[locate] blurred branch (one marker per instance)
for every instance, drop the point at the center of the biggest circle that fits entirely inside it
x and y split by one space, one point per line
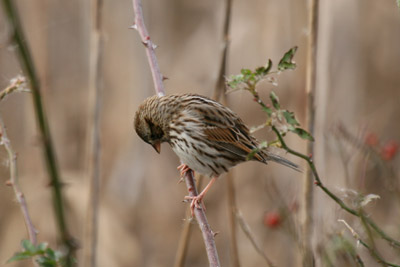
12 159
308 189
246 229
371 250
218 92
95 97
150 47
208 235
49 154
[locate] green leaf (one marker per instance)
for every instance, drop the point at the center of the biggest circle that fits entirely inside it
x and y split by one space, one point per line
20 256
303 134
267 109
290 118
245 72
398 3
286 61
262 71
274 100
51 254
42 247
28 246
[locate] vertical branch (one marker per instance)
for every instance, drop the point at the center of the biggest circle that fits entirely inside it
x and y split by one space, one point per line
208 235
95 97
183 243
49 154
150 46
12 158
308 216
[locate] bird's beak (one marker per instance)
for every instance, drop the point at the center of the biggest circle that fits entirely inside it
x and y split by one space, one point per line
157 147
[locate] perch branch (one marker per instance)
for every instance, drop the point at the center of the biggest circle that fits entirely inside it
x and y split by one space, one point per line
49 154
12 158
205 228
150 47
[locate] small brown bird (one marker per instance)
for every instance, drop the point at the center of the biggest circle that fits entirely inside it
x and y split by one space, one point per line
208 137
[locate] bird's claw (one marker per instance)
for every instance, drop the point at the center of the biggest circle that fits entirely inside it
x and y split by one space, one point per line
196 202
183 168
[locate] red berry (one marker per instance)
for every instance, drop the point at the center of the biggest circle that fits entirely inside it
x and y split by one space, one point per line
371 139
389 150
272 219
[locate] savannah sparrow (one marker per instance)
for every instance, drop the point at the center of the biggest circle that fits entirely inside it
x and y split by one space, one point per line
208 137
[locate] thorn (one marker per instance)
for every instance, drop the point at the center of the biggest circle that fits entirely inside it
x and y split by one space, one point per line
214 233
180 180
164 78
145 43
317 183
133 27
147 38
9 183
310 156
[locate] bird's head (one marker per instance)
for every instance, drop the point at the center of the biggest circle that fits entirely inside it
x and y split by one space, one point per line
149 126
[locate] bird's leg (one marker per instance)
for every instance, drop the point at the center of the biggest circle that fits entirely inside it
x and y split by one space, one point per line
197 201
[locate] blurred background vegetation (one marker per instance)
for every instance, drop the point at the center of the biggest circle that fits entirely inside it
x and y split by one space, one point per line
141 209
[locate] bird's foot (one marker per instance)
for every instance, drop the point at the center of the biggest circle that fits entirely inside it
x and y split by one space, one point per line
197 202
183 168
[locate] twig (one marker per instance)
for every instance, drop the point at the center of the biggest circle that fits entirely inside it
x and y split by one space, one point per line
318 182
308 189
246 229
49 154
17 84
372 251
95 97
208 235
12 158
205 228
150 46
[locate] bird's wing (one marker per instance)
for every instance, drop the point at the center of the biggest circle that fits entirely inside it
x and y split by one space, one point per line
227 130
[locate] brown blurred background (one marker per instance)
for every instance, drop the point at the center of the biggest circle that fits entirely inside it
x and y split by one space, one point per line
141 210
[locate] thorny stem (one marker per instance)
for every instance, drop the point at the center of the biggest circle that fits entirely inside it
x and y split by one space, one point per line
371 250
49 154
12 158
150 47
318 182
208 235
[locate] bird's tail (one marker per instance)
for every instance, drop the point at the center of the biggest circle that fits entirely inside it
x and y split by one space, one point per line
281 160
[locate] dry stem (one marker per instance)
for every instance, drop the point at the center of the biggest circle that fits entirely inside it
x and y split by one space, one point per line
92 222
308 214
